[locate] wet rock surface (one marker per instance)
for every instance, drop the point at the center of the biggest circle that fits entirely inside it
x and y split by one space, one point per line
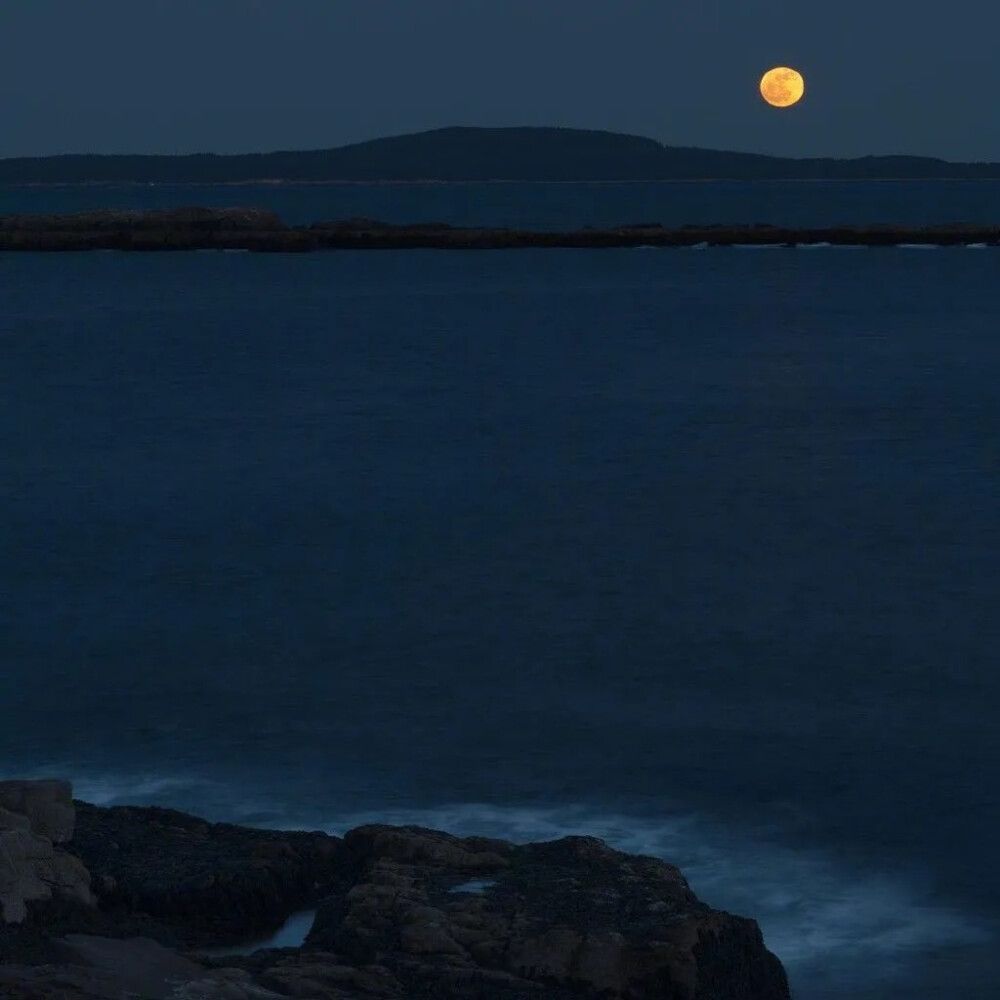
261 231
403 913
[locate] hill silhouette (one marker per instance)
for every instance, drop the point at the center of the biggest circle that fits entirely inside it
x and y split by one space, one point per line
480 154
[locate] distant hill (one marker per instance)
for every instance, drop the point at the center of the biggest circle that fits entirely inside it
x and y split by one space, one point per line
480 154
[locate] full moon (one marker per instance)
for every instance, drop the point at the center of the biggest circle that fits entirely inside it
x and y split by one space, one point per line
782 87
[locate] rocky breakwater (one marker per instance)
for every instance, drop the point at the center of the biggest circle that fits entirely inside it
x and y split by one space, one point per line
368 234
261 231
403 913
164 229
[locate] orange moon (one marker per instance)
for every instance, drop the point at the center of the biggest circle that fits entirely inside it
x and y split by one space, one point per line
782 87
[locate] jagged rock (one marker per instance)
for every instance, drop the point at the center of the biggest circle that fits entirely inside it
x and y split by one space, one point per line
210 883
35 815
404 913
31 868
47 805
14 821
417 846
573 914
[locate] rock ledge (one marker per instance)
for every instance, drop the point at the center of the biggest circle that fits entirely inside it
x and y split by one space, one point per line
402 913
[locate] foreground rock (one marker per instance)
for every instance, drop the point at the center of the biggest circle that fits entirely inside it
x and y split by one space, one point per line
108 969
208 883
34 816
46 805
402 913
450 916
257 230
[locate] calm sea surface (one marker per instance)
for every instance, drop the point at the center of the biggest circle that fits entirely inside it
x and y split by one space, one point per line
693 550
556 206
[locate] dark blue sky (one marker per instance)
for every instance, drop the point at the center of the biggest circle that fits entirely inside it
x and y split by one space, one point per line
883 76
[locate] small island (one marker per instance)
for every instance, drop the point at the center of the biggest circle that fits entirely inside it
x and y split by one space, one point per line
264 232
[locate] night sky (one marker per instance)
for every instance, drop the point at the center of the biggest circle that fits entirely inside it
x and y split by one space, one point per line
882 76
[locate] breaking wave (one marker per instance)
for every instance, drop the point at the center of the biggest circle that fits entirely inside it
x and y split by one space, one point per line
829 923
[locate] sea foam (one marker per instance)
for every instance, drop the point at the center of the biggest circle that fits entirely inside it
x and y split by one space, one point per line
823 918
830 922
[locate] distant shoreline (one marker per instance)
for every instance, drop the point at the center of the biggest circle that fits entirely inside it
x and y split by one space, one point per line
261 231
429 181
481 155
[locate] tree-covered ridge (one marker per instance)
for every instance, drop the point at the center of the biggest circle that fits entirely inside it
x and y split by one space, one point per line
479 154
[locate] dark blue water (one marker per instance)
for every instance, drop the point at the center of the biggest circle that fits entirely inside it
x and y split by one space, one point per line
557 206
695 551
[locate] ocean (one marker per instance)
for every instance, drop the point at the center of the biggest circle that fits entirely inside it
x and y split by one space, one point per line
693 550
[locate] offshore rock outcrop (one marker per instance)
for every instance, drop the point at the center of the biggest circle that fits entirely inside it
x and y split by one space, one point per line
264 232
403 913
189 220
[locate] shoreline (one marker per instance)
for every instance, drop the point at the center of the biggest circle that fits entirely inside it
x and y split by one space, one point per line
262 231
112 899
435 181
